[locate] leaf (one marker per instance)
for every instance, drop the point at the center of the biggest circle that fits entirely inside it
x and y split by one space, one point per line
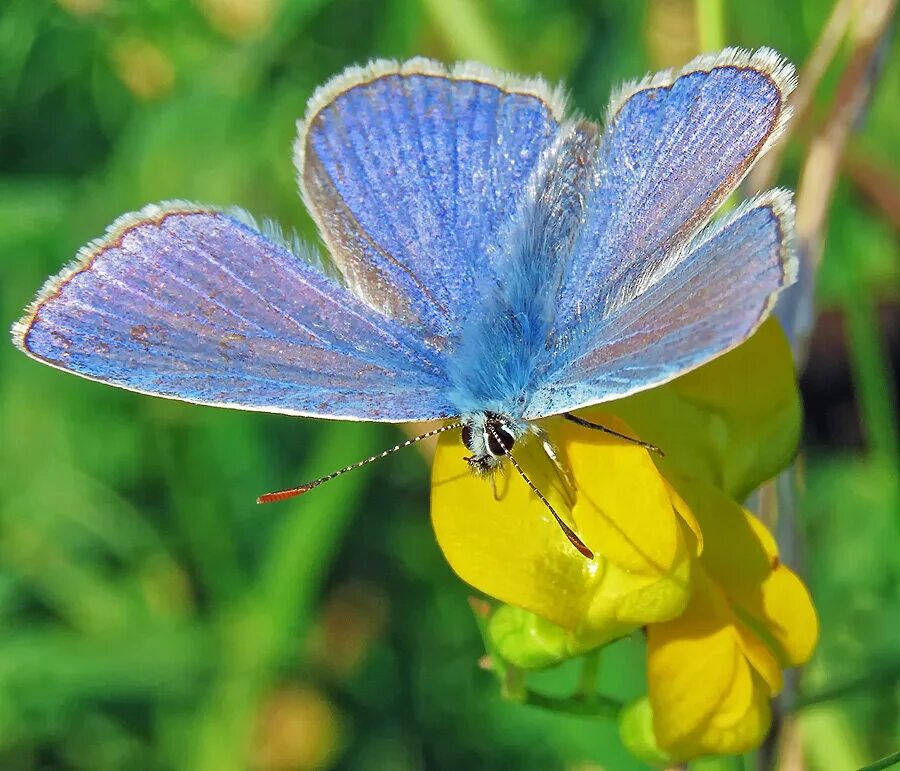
734 422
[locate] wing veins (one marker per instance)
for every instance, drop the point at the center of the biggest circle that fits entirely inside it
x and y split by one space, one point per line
378 247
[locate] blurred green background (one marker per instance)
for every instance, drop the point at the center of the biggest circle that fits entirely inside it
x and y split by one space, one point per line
153 617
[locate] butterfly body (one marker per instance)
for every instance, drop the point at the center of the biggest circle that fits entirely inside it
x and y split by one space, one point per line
490 260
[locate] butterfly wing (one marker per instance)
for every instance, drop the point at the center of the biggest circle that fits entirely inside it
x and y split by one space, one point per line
190 303
713 300
410 172
676 145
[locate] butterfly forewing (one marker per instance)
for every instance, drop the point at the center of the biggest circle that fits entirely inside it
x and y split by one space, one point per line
675 147
189 303
411 171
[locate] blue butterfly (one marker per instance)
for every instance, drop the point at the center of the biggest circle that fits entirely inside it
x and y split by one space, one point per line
491 260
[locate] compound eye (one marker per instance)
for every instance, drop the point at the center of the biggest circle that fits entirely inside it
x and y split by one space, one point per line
467 437
499 440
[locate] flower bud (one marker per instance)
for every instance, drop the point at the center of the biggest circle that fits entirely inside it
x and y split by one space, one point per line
525 640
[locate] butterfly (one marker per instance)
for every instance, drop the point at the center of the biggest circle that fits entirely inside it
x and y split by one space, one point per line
491 260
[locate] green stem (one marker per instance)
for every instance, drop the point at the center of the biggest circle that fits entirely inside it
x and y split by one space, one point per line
891 760
881 678
512 686
590 671
873 382
594 705
467 31
710 15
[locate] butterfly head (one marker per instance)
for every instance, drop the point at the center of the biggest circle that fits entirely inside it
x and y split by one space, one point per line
490 437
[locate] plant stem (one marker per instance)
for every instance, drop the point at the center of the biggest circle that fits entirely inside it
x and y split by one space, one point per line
891 760
710 15
467 32
873 381
884 677
594 705
590 670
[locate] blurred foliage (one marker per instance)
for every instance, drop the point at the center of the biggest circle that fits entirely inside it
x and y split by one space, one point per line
153 617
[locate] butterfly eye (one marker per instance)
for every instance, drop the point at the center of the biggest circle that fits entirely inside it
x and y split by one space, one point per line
499 440
467 437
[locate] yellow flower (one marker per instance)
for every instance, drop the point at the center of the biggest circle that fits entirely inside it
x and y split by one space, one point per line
713 670
674 553
507 545
144 68
240 19
511 548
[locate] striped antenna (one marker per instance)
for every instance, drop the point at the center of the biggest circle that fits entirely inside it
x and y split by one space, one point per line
295 491
569 533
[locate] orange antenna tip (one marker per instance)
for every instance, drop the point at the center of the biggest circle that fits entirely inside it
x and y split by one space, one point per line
282 495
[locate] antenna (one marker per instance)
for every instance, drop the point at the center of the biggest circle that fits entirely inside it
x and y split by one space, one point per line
597 427
569 533
295 491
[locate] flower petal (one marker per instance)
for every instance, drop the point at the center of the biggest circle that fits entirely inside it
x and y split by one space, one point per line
636 730
687 517
623 506
510 547
742 558
725 422
761 658
705 696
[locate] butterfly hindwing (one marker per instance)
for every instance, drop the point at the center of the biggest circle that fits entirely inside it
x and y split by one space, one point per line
713 300
191 303
411 171
676 145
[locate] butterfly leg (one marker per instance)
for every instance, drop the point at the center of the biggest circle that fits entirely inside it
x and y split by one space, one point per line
597 427
494 489
562 470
